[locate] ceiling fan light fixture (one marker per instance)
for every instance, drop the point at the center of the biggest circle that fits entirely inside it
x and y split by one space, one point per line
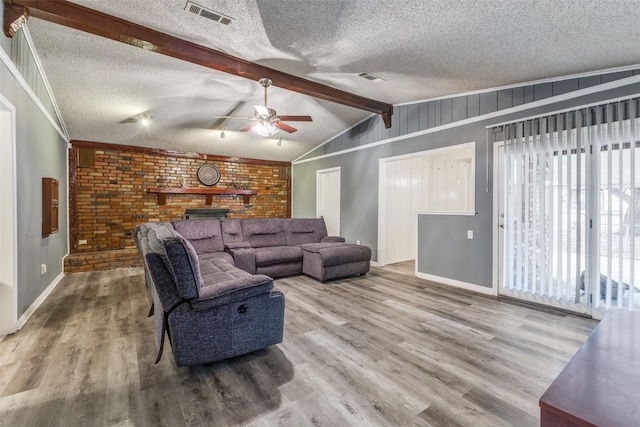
265 128
146 119
265 121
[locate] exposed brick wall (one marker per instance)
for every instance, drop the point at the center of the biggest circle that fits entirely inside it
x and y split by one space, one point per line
102 260
112 196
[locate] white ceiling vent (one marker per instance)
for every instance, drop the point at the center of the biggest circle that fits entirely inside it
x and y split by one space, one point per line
207 13
371 77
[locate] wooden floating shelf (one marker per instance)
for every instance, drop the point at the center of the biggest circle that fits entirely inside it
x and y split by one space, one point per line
208 192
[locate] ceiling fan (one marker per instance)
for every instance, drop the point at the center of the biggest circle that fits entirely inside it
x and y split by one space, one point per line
266 121
144 119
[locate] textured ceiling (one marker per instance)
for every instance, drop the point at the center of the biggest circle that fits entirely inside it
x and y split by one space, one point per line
423 49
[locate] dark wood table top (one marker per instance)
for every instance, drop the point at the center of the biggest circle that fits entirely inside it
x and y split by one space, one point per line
601 384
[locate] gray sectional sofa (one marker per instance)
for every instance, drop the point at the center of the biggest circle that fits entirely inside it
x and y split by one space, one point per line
211 282
209 309
277 247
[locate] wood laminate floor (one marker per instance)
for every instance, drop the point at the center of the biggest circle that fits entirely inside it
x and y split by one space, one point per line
387 349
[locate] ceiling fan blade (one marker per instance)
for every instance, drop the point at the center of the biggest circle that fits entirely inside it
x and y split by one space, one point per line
248 127
129 120
263 111
237 105
296 118
221 119
285 127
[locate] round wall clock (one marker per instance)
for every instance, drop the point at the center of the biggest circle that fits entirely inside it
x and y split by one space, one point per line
208 174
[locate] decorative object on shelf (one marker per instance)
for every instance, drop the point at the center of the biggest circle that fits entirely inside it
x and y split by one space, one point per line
239 185
163 181
208 174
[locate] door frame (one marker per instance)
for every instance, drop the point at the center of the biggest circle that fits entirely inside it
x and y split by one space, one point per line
9 215
497 180
319 174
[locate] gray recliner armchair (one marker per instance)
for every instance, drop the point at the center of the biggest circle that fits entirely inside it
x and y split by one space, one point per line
209 309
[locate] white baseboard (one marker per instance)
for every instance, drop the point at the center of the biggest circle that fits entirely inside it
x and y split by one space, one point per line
374 263
457 283
43 296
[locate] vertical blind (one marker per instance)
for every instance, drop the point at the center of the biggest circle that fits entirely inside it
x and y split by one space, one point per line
570 205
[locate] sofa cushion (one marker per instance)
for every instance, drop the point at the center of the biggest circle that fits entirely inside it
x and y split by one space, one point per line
186 267
304 230
216 255
332 254
156 236
204 234
179 257
233 290
159 277
216 271
237 245
277 255
231 230
315 247
262 232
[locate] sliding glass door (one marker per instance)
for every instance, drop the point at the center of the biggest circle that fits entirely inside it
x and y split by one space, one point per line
617 210
569 208
542 224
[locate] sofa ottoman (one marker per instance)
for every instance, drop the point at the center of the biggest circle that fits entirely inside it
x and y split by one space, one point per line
333 260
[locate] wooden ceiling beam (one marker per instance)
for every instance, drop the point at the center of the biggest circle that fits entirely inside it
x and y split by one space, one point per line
101 24
14 17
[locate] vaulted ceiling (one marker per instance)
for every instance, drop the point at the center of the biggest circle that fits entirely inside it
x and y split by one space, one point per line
420 50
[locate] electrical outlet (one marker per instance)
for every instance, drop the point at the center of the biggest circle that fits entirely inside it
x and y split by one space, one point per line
469 234
43 269
357 242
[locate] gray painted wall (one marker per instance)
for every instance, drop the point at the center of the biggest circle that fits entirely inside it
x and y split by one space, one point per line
445 250
40 152
5 43
470 264
24 60
411 118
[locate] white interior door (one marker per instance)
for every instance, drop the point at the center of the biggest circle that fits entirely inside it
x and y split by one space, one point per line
328 199
402 192
8 246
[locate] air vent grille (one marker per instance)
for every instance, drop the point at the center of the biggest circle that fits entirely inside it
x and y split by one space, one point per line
207 13
210 15
371 77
